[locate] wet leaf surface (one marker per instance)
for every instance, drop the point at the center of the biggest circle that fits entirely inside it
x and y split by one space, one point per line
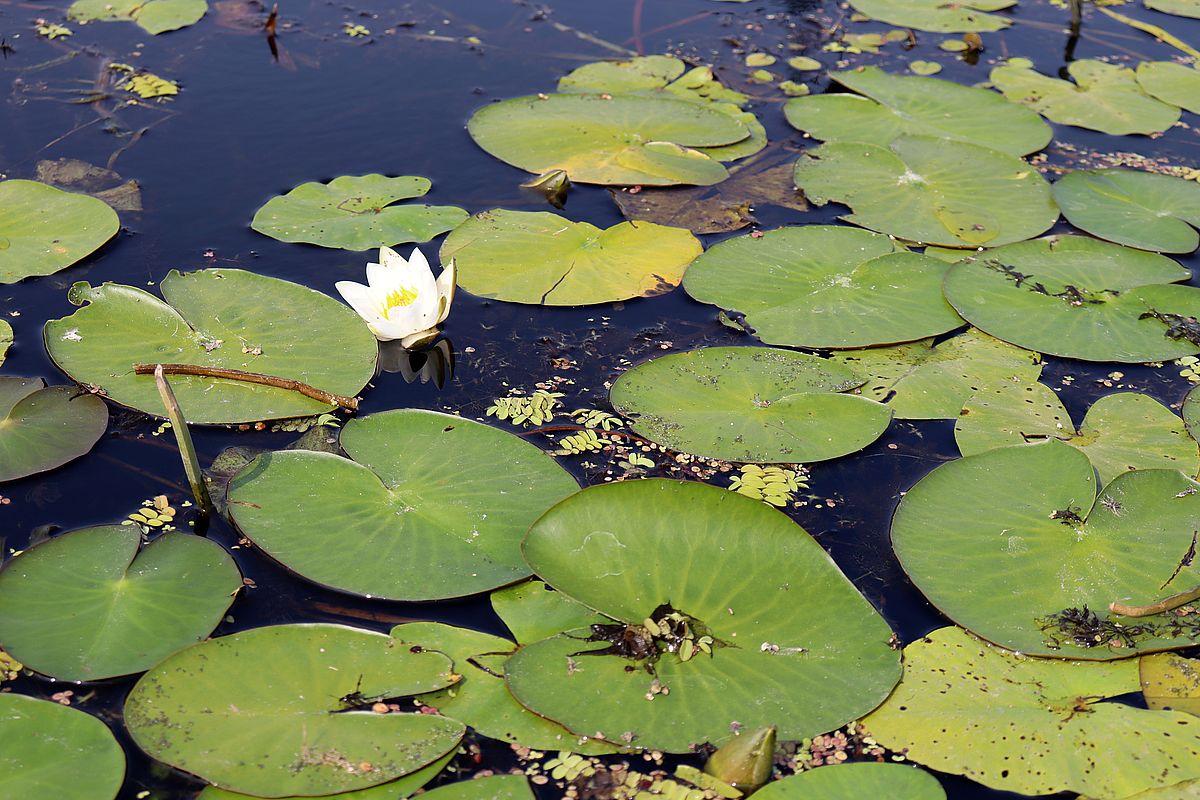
38 736
43 229
45 427
1139 209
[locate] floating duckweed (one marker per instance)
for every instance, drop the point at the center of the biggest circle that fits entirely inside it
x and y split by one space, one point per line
569 766
536 409
156 513
594 418
1191 368
145 85
774 485
10 668
354 31
52 31
583 442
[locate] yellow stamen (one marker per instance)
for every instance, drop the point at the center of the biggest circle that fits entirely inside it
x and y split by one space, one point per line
400 297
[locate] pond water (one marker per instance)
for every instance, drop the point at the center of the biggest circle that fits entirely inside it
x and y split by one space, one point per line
249 124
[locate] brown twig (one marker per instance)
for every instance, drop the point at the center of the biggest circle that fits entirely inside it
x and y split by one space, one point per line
323 396
1162 606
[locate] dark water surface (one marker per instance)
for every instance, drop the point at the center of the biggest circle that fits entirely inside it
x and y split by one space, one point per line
246 127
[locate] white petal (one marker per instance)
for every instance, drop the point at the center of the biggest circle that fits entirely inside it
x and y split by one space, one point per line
417 338
364 301
421 275
390 258
447 282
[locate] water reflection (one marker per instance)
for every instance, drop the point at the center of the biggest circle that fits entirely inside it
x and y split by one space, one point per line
434 363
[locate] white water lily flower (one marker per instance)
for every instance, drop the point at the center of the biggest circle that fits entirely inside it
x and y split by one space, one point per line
401 299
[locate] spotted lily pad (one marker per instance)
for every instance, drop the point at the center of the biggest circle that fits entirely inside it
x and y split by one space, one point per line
45 427
1104 97
542 258
481 698
356 213
1076 297
1177 84
749 404
94 604
932 380
825 286
1121 431
40 739
625 139
392 790
740 576
154 16
931 190
1170 682
1191 412
888 106
224 318
938 16
43 229
854 782
1046 556
1040 727
666 76
285 710
1139 209
421 513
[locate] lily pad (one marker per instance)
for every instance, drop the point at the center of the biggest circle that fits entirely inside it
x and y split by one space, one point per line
533 611
6 339
392 790
1046 556
1076 297
422 512
931 190
285 710
749 404
94 604
493 787
1121 431
356 213
854 782
932 380
1040 727
39 740
1177 84
825 286
481 698
43 428
43 229
154 16
626 139
1191 412
1104 97
224 318
1170 682
776 659
938 16
665 76
888 106
542 258
1182 8
1139 209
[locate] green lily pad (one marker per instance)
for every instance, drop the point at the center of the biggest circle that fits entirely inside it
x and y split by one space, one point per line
1076 297
741 575
95 604
493 787
854 782
45 427
1177 84
1040 727
928 380
825 286
542 258
50 750
665 76
938 16
1182 8
273 712
627 139
154 16
392 790
43 229
6 339
533 611
1191 412
888 106
1104 97
1139 209
1026 524
481 698
422 512
1121 431
749 404
224 318
356 213
1170 682
931 190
